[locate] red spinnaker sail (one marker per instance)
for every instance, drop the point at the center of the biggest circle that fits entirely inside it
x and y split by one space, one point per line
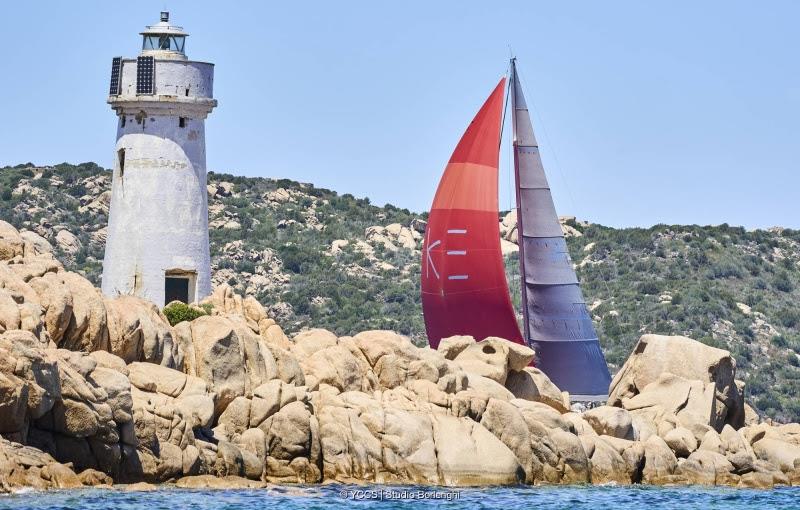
464 288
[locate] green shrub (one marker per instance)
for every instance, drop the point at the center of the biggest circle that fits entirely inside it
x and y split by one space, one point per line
782 282
648 288
179 312
780 341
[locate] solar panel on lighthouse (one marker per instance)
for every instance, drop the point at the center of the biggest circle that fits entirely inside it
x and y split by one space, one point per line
116 64
145 67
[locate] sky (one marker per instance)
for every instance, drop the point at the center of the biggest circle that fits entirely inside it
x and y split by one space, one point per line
677 112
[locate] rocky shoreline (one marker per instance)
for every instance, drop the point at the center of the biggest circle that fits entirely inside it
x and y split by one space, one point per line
95 391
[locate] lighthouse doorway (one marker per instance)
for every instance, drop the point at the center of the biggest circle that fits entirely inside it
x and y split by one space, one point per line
179 286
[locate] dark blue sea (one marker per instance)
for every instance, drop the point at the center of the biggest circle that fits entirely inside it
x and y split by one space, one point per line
343 496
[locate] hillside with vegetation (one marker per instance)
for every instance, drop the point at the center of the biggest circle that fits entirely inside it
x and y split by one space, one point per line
317 258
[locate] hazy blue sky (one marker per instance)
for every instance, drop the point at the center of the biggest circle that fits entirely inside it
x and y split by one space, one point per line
647 112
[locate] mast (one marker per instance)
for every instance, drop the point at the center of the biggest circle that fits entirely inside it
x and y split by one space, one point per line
516 142
557 323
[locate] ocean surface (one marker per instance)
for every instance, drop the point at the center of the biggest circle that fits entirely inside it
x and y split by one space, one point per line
391 497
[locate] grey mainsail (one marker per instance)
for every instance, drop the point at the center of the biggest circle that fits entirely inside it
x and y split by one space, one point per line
556 322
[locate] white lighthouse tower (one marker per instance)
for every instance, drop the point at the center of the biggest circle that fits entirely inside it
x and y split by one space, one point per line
157 244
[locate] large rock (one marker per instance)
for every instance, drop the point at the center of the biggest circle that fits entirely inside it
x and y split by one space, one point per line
607 465
13 403
533 384
757 480
29 382
349 450
376 344
25 467
610 421
56 300
468 454
88 327
573 460
505 421
68 410
394 360
543 414
224 301
158 379
681 441
337 366
581 426
687 359
292 446
9 312
138 331
691 471
715 461
659 461
494 357
307 342
783 455
216 482
229 357
488 387
35 244
273 334
11 243
452 346
68 242
350 426
118 391
692 404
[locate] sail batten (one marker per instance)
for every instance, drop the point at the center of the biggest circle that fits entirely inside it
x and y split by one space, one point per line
556 322
464 287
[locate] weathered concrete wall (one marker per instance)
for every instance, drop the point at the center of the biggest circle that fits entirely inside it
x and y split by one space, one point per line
158 220
172 78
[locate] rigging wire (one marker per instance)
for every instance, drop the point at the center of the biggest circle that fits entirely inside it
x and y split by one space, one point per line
506 107
513 277
552 147
510 162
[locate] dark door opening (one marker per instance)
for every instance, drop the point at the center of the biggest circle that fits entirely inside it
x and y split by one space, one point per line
176 288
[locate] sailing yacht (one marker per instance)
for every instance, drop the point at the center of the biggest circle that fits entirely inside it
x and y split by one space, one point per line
464 287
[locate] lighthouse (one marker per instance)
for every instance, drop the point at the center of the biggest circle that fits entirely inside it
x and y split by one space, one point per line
157 240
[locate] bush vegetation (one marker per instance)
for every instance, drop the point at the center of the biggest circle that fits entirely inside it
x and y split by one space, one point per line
177 312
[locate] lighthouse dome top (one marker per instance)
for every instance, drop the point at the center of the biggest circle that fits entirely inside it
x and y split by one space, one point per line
164 39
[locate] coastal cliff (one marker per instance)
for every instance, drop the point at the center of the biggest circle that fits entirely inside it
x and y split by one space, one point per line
96 391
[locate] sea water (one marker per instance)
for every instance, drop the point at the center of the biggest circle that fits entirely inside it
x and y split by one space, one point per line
403 497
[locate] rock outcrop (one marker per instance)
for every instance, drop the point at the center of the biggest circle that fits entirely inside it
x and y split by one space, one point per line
680 376
95 390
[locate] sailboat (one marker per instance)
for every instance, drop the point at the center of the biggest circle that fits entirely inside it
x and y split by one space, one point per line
464 286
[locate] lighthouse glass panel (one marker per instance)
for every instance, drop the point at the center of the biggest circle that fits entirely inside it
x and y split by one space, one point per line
164 42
